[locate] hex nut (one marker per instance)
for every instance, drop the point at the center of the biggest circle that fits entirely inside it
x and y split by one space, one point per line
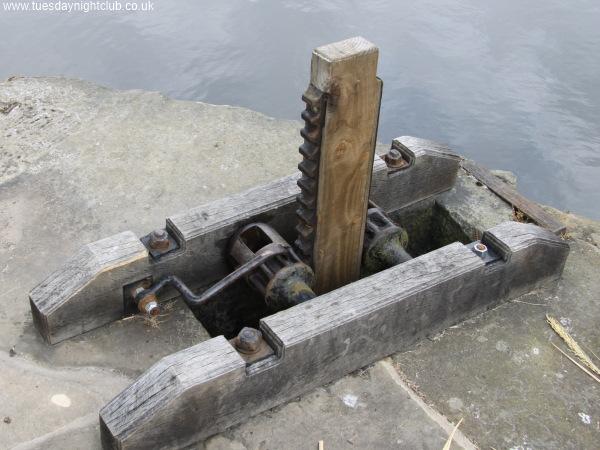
480 249
149 305
159 239
248 340
394 159
394 154
152 309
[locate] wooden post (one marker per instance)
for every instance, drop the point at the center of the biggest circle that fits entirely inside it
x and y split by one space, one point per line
346 72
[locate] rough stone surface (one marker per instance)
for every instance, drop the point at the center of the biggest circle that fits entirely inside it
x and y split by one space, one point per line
500 373
364 410
57 403
473 206
79 162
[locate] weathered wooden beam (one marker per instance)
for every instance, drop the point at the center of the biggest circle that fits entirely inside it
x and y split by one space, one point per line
430 168
87 292
346 72
204 389
531 209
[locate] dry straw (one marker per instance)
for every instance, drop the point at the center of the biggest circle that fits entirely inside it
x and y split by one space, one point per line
572 344
576 363
449 441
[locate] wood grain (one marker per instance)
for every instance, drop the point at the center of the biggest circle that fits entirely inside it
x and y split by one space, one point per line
327 337
212 361
347 72
431 169
531 209
86 292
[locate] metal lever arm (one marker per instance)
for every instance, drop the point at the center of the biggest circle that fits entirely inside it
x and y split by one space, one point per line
192 299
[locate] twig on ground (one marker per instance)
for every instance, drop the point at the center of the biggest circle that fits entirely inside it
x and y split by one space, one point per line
576 363
528 303
591 351
124 319
449 441
572 344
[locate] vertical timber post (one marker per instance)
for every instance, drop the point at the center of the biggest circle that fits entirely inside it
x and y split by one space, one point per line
341 117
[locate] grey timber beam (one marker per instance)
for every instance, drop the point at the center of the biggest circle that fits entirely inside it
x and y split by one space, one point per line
87 291
206 388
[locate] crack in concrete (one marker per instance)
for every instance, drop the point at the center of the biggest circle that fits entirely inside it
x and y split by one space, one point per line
459 437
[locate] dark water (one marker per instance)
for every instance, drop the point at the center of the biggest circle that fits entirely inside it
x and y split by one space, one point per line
513 84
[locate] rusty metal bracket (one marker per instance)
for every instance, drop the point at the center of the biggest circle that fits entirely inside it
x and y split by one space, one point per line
385 242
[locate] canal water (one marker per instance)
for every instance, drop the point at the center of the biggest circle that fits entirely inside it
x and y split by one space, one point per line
512 84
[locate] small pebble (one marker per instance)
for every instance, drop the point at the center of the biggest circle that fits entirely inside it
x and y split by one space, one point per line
12 352
7 420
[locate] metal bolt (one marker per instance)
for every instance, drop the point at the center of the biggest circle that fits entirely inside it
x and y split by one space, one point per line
480 249
394 154
249 340
152 309
394 159
159 240
148 304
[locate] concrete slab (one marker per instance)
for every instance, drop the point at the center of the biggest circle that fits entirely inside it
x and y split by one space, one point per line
369 409
499 371
39 400
79 162
474 207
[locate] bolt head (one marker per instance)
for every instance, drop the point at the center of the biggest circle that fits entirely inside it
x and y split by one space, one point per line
152 309
249 340
160 234
393 158
149 305
159 239
394 154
